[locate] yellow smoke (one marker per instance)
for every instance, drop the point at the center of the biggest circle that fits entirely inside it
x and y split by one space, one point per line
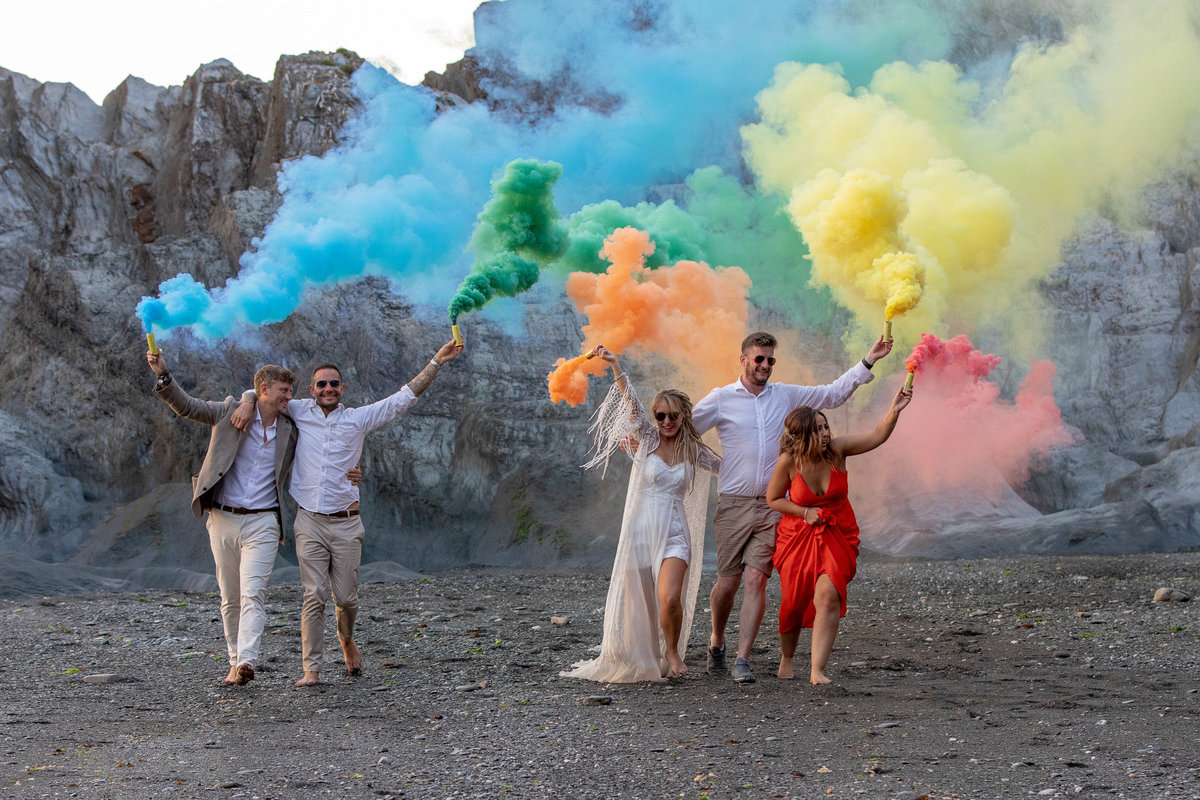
935 195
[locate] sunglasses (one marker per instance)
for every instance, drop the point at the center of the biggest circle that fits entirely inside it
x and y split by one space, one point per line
322 384
661 415
769 359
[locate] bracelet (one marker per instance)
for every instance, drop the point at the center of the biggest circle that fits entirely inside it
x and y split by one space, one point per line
434 362
865 364
618 376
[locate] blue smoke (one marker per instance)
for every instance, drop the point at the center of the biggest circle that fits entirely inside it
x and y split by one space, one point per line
636 94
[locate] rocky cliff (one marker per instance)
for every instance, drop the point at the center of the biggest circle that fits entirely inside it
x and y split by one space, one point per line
98 204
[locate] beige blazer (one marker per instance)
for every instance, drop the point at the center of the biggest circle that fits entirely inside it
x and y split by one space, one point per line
223 445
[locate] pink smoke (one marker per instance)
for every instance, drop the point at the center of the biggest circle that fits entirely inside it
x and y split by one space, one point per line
959 435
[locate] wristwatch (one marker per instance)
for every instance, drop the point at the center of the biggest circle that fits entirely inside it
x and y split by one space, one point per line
164 380
435 362
866 364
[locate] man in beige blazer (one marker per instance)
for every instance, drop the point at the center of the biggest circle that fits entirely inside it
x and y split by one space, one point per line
240 485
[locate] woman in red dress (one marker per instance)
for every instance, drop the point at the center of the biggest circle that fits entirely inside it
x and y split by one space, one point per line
816 542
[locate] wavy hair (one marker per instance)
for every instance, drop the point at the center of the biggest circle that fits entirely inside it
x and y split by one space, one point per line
800 439
687 442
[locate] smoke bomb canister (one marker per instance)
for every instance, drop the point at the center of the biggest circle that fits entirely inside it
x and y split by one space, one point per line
887 330
908 382
151 343
457 332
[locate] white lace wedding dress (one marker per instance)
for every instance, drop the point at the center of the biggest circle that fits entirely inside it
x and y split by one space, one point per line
664 507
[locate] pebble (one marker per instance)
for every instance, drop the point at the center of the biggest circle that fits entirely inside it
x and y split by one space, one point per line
597 700
559 621
1169 595
102 677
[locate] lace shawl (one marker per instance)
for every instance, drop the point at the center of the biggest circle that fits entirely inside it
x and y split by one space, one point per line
632 645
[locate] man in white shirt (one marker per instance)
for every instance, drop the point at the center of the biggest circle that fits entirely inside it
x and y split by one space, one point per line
329 530
240 485
748 415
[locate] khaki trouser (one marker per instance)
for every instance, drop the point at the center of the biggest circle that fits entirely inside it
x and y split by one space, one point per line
329 550
243 548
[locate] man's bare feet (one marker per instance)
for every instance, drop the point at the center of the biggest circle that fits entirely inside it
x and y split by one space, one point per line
231 678
245 674
353 658
309 679
677 669
817 678
787 669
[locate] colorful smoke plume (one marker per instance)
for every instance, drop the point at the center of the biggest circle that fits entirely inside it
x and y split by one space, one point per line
625 97
518 232
961 437
963 187
689 314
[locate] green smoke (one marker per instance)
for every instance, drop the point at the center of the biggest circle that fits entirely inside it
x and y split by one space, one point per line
518 232
722 223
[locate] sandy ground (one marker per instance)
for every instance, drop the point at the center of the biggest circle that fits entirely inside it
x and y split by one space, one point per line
1039 676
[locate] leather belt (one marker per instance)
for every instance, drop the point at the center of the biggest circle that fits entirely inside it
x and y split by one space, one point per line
347 514
232 510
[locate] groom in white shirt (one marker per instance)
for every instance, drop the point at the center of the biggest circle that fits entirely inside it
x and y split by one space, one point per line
748 415
329 530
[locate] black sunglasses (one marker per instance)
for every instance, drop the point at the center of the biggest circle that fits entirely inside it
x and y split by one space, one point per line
769 359
661 415
333 383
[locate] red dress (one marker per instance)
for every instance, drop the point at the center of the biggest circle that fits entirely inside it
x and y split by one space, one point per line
803 552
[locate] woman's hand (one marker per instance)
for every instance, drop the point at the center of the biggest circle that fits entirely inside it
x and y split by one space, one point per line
817 516
608 355
901 400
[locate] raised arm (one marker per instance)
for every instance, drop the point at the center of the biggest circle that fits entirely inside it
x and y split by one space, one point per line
643 427
181 402
619 376
856 444
448 353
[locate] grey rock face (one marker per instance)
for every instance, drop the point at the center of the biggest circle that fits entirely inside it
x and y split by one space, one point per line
100 204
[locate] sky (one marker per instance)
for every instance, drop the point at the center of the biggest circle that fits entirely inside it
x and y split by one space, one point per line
95 44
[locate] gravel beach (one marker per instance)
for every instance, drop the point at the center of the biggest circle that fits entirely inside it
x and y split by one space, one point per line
1044 676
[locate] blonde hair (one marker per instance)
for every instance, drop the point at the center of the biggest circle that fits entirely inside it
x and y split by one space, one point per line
800 439
688 443
270 374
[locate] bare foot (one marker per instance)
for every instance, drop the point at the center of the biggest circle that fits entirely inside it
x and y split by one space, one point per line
817 678
244 674
677 668
309 679
786 669
353 658
231 678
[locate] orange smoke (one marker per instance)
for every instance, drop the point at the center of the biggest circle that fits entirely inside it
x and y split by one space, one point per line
690 314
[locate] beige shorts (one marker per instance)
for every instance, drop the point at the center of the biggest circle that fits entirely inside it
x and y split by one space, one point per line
745 534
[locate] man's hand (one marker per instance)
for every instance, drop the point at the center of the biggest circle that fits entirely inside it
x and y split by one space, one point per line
355 474
243 415
879 350
449 352
156 361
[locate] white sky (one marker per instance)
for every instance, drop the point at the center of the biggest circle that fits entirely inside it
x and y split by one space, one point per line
95 44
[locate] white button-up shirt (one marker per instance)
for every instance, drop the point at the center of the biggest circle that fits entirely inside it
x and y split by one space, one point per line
250 481
749 426
329 446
